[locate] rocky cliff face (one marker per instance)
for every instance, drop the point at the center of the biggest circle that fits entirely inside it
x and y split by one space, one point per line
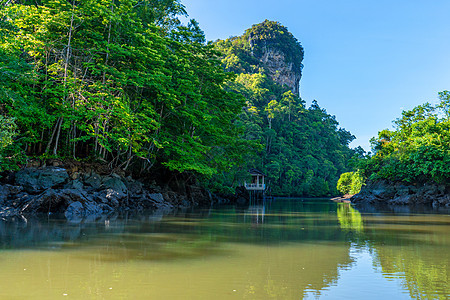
269 48
281 71
279 52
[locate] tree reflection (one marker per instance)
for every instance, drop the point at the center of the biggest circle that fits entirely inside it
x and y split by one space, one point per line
412 248
349 218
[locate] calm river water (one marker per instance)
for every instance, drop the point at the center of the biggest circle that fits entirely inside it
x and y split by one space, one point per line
282 249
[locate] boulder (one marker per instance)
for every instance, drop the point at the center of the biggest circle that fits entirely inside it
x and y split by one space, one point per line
197 195
89 210
156 201
157 198
74 211
116 184
35 180
134 187
75 184
94 180
114 198
75 195
13 190
7 213
48 201
92 209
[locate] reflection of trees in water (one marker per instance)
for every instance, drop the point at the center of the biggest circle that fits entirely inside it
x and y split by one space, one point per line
291 272
294 248
414 249
283 244
349 218
424 272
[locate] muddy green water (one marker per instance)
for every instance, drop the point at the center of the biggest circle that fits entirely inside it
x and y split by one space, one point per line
284 249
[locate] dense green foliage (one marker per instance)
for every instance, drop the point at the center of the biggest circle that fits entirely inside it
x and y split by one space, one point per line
119 80
124 82
417 150
302 150
350 183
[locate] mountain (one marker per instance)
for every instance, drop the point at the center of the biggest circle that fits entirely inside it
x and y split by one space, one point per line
269 46
301 149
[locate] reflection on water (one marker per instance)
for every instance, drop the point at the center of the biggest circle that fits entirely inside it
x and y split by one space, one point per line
284 249
349 218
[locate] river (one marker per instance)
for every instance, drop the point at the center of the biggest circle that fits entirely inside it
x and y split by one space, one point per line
279 249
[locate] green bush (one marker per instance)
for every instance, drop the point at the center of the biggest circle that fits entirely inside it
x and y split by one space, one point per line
350 183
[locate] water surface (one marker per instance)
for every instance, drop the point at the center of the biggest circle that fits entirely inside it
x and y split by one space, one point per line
282 249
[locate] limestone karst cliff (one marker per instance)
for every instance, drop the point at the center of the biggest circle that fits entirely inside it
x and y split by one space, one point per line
269 48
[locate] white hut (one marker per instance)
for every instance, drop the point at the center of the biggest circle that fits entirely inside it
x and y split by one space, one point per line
258 182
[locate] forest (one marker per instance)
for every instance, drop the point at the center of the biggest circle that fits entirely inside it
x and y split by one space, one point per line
417 151
124 82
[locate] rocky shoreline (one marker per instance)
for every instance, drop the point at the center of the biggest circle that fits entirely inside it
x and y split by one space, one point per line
399 193
78 192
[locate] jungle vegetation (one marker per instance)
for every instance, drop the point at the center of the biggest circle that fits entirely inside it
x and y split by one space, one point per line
417 150
302 149
118 80
126 83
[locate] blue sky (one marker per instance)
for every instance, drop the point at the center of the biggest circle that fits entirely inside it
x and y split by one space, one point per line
365 60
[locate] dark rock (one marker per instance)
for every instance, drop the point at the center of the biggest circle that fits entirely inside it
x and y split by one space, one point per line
114 197
94 180
74 211
89 210
100 197
4 193
75 184
75 195
88 195
7 213
115 183
134 187
34 180
153 201
397 193
400 200
92 209
157 198
48 201
197 196
106 208
13 189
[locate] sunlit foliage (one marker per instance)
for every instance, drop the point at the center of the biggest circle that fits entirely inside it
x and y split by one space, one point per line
118 80
417 150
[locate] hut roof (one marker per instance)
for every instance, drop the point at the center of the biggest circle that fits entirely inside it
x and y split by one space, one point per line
256 172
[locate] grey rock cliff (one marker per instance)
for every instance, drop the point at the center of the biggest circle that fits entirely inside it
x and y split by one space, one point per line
280 70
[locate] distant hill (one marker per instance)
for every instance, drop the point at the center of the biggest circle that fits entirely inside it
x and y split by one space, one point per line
302 150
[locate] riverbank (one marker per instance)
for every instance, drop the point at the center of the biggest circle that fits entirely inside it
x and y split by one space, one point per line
81 190
399 193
